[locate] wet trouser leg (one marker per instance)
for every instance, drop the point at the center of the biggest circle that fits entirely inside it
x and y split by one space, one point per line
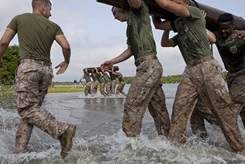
242 115
158 110
120 87
139 96
201 112
113 86
95 86
23 136
221 105
102 89
87 89
236 85
198 124
32 81
214 94
185 100
108 89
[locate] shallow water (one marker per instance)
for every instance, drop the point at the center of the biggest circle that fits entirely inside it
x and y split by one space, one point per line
100 140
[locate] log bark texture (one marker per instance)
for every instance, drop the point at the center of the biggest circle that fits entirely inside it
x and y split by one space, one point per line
156 10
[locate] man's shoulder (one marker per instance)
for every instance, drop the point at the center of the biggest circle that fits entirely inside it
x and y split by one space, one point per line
22 15
194 10
25 14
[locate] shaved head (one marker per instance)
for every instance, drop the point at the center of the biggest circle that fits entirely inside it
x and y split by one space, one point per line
37 3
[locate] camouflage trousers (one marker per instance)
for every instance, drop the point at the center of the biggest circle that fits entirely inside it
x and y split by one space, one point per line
205 81
108 88
146 91
102 89
95 86
113 86
236 86
87 89
32 82
120 88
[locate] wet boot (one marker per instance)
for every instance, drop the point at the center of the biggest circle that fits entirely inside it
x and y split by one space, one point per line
66 140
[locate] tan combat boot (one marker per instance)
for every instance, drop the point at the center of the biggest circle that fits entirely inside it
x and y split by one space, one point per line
66 140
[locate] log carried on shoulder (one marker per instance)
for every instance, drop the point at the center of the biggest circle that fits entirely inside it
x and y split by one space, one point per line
156 10
116 68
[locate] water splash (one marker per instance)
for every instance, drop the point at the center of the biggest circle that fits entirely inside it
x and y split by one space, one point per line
100 139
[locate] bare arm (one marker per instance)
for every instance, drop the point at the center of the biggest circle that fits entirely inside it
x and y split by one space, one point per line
96 70
4 43
122 57
134 3
173 7
66 50
211 37
166 42
238 35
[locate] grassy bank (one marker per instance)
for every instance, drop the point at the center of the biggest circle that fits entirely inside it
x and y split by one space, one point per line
62 89
9 89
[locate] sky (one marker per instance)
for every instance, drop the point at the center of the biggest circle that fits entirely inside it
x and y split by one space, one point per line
95 36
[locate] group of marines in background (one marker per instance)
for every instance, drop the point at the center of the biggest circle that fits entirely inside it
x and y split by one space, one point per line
106 83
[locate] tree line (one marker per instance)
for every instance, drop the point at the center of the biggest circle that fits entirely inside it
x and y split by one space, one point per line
164 79
10 61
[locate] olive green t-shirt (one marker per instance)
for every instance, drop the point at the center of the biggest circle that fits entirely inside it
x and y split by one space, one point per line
100 78
139 32
106 77
192 38
232 52
35 34
120 76
112 76
94 77
87 77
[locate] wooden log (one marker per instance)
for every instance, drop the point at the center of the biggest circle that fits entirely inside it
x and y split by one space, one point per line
213 14
116 68
156 10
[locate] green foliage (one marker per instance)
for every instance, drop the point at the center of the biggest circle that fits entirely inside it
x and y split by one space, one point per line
64 89
171 79
7 90
165 79
10 61
128 80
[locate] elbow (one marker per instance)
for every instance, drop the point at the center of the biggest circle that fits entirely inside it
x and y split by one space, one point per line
212 40
3 43
164 44
66 48
157 27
